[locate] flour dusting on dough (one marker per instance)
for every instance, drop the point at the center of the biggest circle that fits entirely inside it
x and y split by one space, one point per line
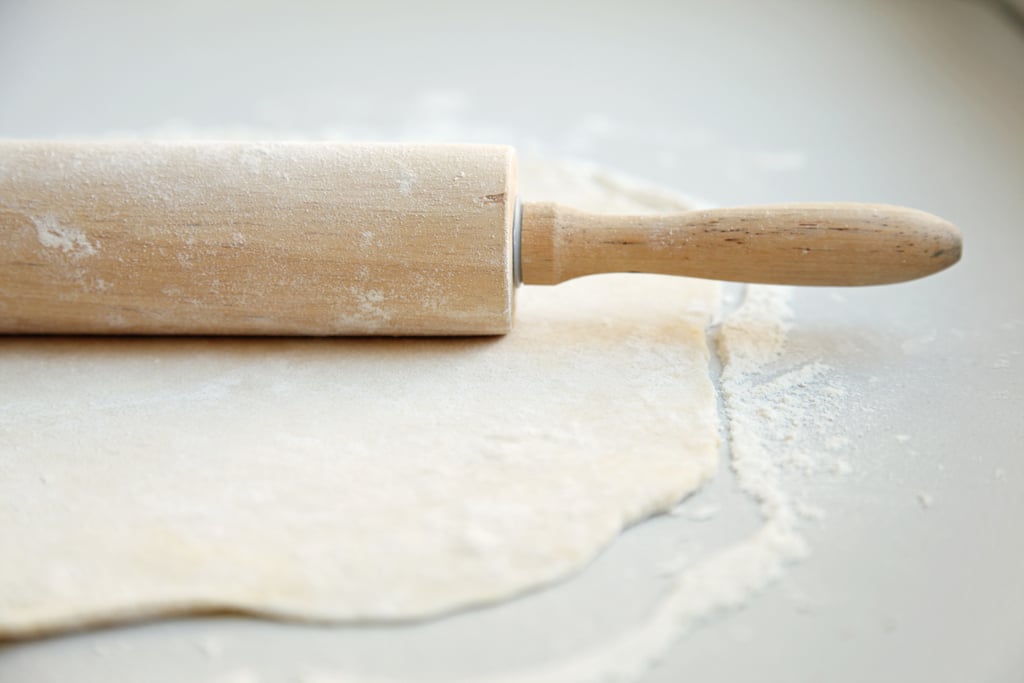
751 342
775 413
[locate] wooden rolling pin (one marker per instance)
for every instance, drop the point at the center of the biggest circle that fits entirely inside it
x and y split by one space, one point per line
360 239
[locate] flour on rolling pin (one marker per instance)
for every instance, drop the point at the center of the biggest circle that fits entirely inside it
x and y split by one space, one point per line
270 238
319 238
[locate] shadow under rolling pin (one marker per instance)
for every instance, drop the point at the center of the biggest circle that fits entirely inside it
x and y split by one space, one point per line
291 238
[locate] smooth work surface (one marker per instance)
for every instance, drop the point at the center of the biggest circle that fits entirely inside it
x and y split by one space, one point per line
917 564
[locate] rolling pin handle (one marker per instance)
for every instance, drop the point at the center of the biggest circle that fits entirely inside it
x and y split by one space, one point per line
823 244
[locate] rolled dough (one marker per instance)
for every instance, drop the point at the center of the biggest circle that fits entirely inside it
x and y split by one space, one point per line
352 479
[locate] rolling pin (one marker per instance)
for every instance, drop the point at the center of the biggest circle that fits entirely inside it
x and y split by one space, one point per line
367 239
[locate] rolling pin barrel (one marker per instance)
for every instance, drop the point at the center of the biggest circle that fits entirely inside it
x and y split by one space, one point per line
256 238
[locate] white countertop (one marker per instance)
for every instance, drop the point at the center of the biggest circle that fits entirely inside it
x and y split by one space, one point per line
916 103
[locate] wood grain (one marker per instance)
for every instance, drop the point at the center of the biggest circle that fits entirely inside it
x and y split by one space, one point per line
255 238
796 244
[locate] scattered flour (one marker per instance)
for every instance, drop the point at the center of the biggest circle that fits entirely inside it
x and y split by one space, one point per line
69 240
211 646
705 513
771 417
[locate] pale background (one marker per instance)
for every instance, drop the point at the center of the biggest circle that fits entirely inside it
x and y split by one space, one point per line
917 103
